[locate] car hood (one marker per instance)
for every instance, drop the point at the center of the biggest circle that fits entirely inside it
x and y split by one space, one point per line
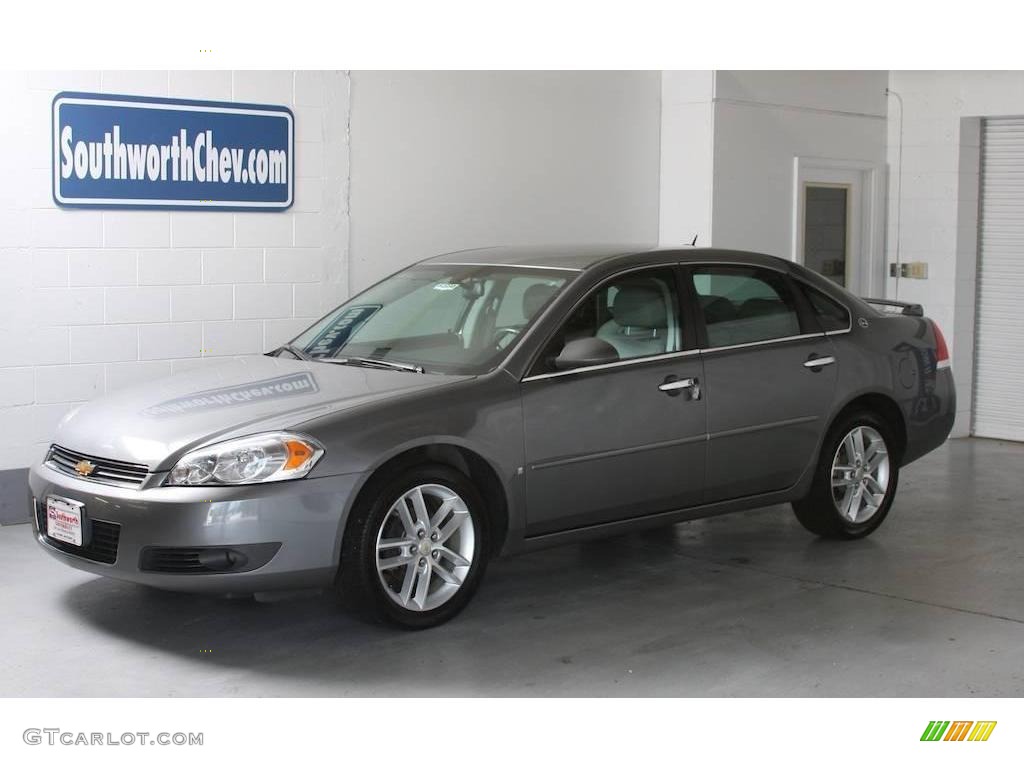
153 423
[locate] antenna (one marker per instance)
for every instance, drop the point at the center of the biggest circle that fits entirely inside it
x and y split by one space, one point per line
694 241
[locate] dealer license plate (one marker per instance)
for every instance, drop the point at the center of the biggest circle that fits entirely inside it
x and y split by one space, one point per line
64 520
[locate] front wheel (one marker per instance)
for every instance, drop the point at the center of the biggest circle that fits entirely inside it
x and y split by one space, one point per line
415 553
855 479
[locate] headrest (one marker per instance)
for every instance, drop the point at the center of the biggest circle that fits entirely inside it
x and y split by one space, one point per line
639 306
535 297
759 307
717 309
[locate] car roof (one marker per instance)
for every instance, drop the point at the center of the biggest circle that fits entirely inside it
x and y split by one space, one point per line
582 257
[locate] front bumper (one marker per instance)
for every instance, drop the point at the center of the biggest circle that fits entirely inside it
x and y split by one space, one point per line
288 533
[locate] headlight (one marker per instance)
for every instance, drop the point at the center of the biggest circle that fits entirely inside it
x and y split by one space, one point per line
262 458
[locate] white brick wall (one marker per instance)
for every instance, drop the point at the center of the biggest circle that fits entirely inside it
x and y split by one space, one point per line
233 265
166 341
68 383
232 337
99 267
136 229
260 230
205 230
202 302
263 300
290 265
91 301
171 266
138 304
103 343
16 386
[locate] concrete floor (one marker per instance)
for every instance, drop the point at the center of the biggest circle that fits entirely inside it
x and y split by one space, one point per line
744 605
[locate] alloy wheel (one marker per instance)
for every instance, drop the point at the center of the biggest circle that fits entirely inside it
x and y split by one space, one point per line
425 547
860 474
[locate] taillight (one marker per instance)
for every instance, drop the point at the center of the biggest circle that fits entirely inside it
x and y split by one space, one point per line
941 350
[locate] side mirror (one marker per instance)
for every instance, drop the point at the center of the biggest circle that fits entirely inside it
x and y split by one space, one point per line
584 352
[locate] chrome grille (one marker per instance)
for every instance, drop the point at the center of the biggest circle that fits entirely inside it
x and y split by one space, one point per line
106 471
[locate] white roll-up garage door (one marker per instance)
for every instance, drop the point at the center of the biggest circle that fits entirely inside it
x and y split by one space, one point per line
999 330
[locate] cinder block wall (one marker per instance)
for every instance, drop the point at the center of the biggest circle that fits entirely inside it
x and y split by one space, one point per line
91 301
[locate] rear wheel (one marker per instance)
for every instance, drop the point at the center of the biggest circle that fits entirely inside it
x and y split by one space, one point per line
855 479
416 551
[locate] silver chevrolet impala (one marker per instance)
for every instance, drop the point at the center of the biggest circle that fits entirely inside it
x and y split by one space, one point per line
492 401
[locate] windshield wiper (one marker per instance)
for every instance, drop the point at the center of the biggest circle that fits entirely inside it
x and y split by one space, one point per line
373 362
294 351
369 362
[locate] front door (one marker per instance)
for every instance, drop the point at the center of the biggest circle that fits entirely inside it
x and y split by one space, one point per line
621 439
770 375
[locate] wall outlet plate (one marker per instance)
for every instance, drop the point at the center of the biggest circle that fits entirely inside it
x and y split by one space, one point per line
916 270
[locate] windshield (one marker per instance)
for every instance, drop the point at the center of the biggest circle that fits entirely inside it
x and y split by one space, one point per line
441 318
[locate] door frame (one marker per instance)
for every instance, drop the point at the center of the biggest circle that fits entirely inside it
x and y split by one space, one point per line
866 181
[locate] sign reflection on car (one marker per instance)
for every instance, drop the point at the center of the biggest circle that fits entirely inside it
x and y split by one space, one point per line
340 331
268 389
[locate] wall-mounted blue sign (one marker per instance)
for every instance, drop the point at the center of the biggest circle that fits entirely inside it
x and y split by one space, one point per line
139 152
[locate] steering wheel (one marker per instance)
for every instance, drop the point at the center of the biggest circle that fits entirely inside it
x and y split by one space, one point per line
504 336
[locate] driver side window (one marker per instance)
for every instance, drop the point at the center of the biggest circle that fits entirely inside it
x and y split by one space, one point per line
637 313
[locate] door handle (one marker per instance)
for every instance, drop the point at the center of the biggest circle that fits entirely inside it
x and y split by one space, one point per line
674 387
816 363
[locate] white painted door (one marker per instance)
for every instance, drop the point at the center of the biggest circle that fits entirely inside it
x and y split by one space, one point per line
999 332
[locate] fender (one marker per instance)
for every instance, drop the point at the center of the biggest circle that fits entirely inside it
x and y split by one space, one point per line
510 488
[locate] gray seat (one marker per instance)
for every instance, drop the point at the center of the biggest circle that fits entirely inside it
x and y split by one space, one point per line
639 324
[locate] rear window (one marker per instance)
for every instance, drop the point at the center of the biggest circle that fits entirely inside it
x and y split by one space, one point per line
742 305
832 315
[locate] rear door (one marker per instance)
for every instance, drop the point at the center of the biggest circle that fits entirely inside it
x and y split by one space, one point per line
769 373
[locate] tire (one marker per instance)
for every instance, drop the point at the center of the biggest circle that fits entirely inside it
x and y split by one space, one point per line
828 511
395 592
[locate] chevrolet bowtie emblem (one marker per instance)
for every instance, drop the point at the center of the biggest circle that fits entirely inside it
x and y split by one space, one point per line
85 467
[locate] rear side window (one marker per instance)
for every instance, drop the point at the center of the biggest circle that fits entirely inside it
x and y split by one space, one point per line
742 305
832 315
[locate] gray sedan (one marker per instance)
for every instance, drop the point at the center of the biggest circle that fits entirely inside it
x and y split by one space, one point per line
493 401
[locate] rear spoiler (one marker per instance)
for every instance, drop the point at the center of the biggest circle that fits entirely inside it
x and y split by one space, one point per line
906 308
